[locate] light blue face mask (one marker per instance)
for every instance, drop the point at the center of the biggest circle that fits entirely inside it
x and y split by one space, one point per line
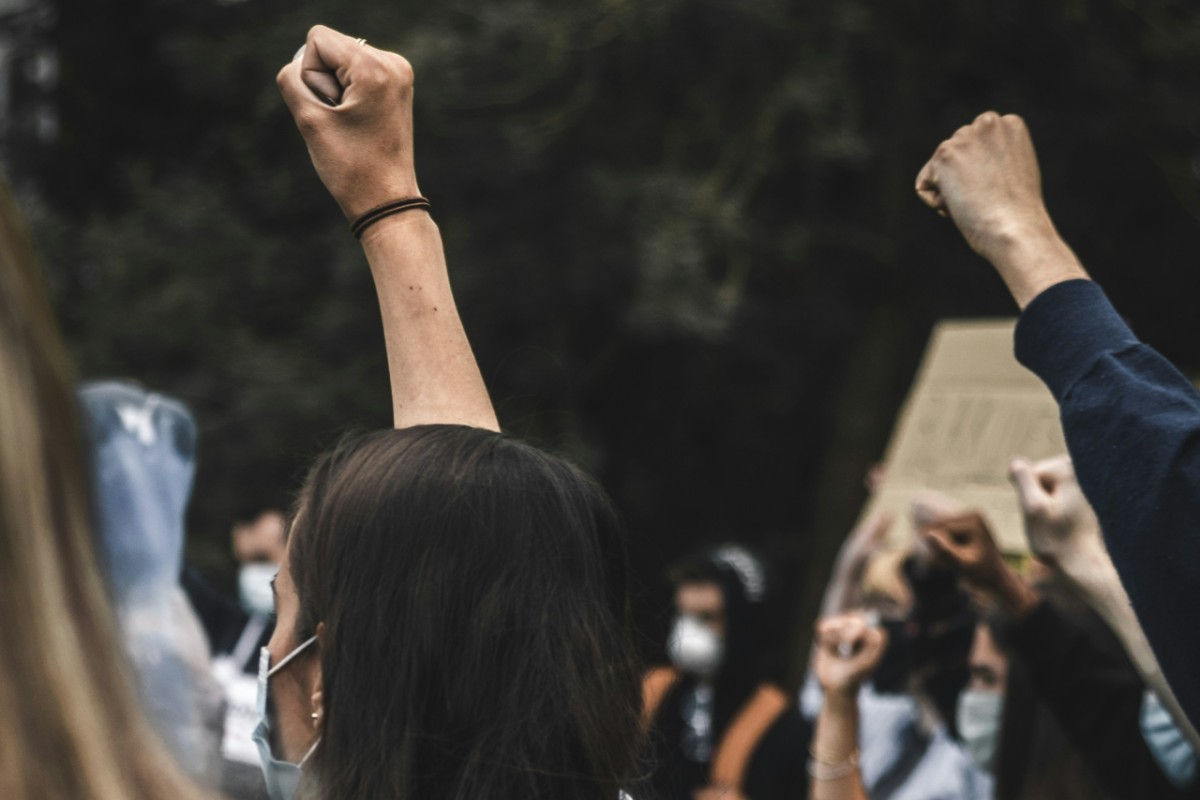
979 715
282 777
1167 743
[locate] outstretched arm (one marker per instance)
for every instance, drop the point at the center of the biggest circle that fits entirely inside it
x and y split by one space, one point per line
1132 421
844 590
1063 532
847 650
353 106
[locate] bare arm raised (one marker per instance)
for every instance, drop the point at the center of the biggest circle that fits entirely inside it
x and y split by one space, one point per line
362 149
847 650
1063 531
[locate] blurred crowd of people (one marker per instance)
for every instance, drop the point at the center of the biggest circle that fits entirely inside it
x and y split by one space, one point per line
445 612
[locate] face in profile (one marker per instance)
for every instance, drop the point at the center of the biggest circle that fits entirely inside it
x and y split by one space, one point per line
294 693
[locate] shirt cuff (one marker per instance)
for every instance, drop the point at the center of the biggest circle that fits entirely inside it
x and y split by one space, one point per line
1065 330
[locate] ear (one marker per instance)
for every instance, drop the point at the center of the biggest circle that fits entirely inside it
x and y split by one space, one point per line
318 692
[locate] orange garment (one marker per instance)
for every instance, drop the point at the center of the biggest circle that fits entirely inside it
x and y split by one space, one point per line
732 755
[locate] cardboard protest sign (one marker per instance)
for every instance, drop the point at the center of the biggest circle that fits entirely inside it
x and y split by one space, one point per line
972 409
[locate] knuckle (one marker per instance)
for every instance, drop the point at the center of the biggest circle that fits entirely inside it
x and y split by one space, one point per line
1015 121
307 119
402 70
315 31
987 118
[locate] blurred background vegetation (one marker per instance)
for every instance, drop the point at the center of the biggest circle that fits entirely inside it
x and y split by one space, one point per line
682 233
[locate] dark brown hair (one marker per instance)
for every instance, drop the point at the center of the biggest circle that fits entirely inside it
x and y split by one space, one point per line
477 638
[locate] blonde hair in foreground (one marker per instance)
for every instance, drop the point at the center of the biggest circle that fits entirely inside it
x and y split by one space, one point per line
70 724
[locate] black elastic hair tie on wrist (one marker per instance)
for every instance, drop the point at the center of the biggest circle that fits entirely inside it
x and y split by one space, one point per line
386 210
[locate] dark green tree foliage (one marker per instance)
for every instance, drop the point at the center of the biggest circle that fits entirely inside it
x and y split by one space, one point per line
682 233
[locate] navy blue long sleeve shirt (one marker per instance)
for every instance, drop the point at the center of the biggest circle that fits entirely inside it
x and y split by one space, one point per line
1132 425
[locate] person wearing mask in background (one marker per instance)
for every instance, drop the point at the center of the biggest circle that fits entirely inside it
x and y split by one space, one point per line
721 727
1131 420
906 710
237 632
1070 695
71 725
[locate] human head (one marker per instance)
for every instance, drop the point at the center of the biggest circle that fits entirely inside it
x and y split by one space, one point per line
259 545
718 593
260 540
69 719
980 712
885 588
469 594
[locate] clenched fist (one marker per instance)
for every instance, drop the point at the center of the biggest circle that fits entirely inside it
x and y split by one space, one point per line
1061 525
986 178
962 540
353 106
848 649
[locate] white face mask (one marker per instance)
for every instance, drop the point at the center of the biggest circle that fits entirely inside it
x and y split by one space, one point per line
695 648
254 588
979 716
282 777
1167 743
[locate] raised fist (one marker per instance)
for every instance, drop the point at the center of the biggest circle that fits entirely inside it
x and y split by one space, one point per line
1059 522
848 649
353 106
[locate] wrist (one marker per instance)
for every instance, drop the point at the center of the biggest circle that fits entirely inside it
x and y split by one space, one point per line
1031 256
842 700
1086 566
1015 597
415 221
355 198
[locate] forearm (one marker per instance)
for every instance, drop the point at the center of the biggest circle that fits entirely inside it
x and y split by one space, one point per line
1014 597
834 744
1034 258
843 592
434 377
1095 579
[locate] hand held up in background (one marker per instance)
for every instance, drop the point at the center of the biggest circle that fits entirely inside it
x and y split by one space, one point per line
362 147
962 541
1061 525
848 649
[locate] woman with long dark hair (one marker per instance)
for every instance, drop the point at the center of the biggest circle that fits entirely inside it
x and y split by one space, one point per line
452 607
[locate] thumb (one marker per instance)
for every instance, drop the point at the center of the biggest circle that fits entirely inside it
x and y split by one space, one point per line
927 189
1030 491
941 542
324 58
1055 472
